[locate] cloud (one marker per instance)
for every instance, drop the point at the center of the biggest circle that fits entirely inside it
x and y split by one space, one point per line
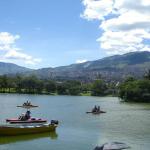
79 61
11 52
125 24
7 39
97 9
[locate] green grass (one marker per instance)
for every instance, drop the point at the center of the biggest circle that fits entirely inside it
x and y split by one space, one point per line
86 94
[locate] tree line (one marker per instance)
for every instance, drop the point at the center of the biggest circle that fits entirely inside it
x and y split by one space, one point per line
135 90
130 89
34 85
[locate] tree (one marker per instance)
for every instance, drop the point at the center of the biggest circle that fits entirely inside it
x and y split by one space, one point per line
73 87
86 87
11 83
98 88
4 83
61 89
18 83
30 84
137 90
39 86
74 90
129 78
50 86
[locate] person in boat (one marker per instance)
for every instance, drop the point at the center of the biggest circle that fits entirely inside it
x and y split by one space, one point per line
27 103
25 116
22 117
98 109
28 115
94 109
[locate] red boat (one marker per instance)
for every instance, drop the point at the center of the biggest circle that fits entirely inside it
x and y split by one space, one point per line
31 120
26 117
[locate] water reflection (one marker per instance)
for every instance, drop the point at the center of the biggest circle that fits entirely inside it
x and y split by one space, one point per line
20 138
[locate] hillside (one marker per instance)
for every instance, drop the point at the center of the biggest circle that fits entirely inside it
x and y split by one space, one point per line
111 68
9 68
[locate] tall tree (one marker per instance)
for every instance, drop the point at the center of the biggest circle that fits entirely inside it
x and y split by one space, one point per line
19 83
50 86
98 88
4 83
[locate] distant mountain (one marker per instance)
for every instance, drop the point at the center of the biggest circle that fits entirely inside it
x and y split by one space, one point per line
9 68
111 68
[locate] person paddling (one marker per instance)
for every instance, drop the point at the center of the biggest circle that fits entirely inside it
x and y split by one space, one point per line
94 109
98 109
27 115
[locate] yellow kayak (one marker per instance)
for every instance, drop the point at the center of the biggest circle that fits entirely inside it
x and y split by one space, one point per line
19 130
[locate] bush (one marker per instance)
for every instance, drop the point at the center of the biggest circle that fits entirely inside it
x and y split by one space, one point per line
135 90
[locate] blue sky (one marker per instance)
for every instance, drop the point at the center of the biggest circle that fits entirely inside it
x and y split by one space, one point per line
50 30
50 33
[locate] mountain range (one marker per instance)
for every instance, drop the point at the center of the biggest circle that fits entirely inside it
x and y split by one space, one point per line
110 68
9 68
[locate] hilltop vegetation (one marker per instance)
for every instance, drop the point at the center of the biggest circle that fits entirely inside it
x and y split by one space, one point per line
135 90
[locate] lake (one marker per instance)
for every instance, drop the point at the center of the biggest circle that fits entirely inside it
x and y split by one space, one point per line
123 122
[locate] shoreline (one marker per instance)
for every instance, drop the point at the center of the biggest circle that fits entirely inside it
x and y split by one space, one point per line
81 94
56 94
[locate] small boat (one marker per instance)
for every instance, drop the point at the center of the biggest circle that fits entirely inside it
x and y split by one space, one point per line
98 112
27 105
8 130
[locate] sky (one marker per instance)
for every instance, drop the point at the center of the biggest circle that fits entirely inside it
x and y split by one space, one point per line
50 33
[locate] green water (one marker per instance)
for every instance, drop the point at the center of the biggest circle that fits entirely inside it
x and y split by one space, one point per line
123 122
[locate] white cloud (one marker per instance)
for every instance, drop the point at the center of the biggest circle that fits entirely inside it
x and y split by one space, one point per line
125 24
7 38
97 9
11 52
79 61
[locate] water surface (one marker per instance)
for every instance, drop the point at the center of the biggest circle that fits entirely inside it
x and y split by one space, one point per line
123 122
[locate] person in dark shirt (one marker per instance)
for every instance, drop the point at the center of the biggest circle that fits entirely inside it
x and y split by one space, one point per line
27 115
